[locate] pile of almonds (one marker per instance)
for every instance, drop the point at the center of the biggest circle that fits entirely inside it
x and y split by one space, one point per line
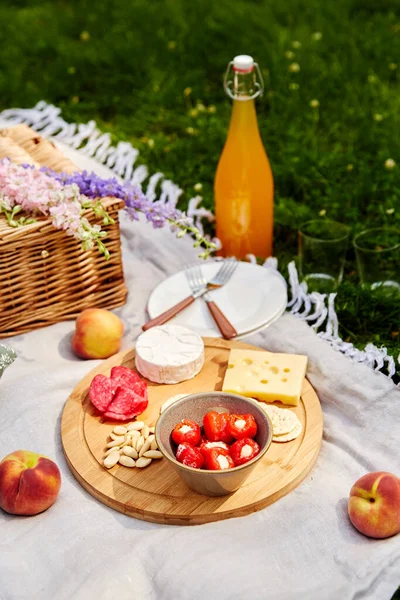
131 445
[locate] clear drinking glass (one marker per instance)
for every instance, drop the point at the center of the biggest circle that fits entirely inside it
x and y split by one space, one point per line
322 253
378 258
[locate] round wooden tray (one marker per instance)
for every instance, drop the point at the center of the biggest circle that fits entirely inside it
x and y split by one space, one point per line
157 493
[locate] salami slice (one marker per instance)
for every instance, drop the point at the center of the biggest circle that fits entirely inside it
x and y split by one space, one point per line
140 388
126 405
101 392
128 378
115 416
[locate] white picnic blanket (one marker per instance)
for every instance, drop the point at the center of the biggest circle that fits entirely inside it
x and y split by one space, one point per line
301 547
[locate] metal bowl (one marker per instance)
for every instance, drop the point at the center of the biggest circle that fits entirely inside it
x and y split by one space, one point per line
195 406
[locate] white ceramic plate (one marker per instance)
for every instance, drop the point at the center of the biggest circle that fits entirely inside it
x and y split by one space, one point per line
253 298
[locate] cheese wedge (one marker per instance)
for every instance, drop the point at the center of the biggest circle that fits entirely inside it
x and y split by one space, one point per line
265 376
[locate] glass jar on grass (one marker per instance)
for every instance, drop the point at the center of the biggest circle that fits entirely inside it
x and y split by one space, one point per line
322 253
378 258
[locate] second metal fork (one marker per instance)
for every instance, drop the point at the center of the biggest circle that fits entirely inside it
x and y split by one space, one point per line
198 283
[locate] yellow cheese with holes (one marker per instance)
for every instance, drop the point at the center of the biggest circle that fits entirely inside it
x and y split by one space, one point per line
265 375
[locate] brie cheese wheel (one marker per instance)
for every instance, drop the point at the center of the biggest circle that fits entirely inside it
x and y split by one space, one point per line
169 354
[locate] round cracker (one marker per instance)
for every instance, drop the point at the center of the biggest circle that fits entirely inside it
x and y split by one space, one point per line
270 409
289 436
283 420
286 422
272 412
171 400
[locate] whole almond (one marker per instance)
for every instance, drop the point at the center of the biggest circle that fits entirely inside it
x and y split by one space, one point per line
152 454
139 443
120 430
111 460
152 429
129 451
133 433
114 443
127 461
145 431
117 438
111 450
143 462
127 442
154 445
135 425
145 447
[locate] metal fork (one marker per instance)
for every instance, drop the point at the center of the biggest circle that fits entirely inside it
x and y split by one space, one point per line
200 288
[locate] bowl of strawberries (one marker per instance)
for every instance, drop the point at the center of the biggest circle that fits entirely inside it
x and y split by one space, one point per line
214 440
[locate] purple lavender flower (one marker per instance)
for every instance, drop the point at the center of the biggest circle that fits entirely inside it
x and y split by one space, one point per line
158 213
93 186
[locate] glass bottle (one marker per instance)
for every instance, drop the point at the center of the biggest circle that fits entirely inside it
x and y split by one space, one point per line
244 186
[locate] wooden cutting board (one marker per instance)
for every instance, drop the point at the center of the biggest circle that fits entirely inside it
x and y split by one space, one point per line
157 493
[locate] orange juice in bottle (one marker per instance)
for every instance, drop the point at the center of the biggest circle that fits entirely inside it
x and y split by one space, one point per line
244 186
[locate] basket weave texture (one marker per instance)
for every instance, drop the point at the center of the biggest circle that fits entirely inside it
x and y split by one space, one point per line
45 277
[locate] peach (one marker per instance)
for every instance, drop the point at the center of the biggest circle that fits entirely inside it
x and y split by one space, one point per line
29 483
98 333
374 504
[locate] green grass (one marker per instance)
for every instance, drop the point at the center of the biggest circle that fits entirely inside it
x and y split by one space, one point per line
128 64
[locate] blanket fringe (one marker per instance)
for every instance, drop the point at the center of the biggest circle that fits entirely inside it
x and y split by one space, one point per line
318 310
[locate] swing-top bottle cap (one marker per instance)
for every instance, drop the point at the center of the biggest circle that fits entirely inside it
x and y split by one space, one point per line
243 63
243 88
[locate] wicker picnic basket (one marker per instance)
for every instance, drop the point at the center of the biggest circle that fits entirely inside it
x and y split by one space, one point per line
45 277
